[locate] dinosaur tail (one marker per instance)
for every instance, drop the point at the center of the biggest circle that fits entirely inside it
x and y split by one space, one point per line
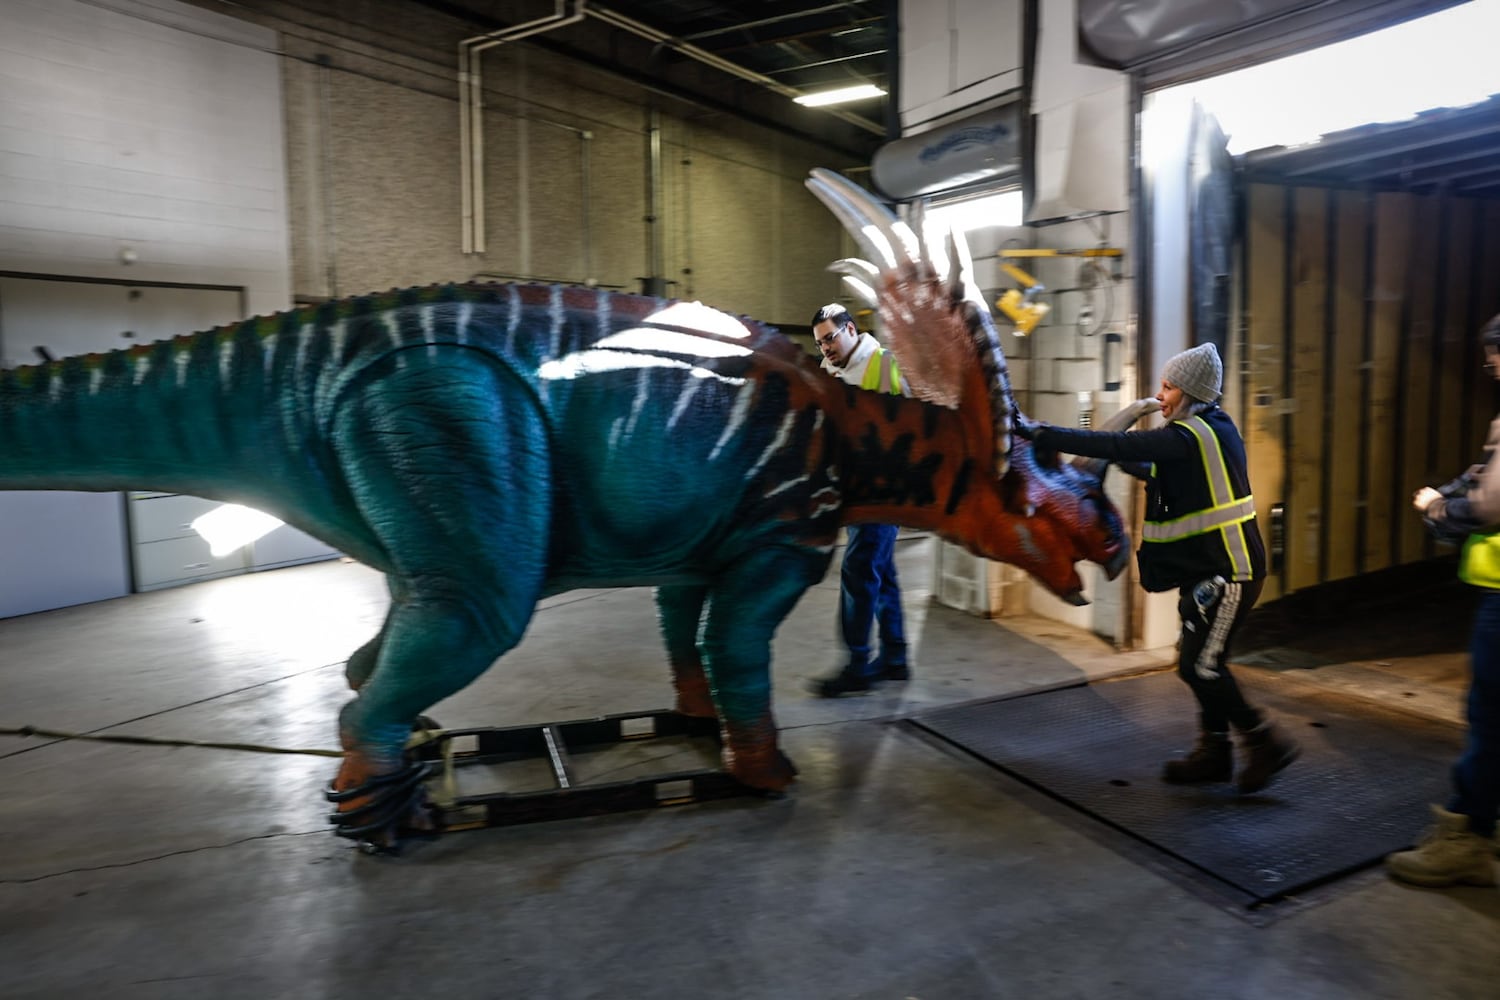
184 415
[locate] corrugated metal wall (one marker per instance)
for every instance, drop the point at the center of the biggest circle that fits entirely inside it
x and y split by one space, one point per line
1363 376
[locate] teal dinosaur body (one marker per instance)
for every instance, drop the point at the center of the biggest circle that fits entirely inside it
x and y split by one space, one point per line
248 412
486 445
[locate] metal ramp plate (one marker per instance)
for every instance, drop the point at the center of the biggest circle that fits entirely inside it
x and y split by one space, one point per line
1359 790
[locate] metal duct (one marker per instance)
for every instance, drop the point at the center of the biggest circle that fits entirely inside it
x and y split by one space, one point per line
982 147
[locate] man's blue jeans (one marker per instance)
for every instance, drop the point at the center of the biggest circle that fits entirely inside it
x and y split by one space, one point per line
870 593
1476 776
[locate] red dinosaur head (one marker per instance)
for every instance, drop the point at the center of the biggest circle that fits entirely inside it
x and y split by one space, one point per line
1027 510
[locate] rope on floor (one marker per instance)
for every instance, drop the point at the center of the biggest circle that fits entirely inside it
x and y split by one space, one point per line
153 741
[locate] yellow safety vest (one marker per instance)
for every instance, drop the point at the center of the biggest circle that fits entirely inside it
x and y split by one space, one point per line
1225 512
882 373
1479 563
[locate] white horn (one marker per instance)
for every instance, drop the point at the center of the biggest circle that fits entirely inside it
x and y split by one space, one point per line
867 220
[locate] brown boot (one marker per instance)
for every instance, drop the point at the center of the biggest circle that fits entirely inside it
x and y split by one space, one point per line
1449 854
1211 760
1267 751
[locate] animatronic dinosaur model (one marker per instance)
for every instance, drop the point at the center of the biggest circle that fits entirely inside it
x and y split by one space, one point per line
487 445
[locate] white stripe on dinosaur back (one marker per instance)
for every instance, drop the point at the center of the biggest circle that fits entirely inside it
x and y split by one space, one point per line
671 342
465 313
593 362
96 376
336 333
642 393
776 444
182 360
142 369
697 316
226 361
682 401
427 332
736 420
787 485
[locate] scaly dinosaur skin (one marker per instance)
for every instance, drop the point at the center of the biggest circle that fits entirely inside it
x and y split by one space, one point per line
487 445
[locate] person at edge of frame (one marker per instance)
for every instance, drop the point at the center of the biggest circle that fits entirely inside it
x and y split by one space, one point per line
1457 849
1200 538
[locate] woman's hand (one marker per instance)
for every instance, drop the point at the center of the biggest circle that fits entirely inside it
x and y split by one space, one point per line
1423 498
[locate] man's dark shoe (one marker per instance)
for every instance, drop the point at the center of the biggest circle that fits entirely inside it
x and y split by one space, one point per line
844 682
883 671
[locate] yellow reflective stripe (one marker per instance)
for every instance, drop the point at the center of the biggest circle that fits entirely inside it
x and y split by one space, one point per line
1199 522
1213 460
881 373
1225 513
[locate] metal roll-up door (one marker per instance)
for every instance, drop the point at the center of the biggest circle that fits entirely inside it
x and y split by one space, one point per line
1167 42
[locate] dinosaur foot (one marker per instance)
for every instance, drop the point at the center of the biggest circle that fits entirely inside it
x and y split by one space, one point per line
752 757
379 809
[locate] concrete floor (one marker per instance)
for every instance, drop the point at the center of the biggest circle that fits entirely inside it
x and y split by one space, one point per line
895 869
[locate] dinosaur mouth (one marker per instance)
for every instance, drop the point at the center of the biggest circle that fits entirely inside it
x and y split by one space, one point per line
1076 598
1116 564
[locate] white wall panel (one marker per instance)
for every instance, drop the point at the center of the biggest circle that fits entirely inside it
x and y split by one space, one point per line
149 125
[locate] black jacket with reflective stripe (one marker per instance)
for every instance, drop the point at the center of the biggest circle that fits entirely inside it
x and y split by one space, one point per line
1198 503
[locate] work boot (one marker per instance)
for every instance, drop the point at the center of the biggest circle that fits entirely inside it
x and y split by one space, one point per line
1267 751
1448 854
851 680
1211 760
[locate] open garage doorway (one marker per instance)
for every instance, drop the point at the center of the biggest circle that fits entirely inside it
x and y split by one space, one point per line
1333 227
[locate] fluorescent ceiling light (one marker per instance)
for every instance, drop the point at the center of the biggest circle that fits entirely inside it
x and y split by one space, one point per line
839 96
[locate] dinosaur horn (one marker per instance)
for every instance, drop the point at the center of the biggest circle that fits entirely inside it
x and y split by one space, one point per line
1123 420
962 280
877 230
861 276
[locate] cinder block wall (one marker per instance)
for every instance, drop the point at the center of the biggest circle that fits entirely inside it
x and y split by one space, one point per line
372 123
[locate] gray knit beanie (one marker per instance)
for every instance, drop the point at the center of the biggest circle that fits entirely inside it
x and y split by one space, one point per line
1197 372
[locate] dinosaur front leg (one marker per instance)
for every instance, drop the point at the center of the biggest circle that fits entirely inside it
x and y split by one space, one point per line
680 614
746 605
446 462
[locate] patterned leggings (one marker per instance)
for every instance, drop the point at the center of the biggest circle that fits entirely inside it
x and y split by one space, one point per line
1212 612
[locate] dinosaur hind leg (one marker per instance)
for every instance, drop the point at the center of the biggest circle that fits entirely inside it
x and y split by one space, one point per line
447 462
680 612
746 605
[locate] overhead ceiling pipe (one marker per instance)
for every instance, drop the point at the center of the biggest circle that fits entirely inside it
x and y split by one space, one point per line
471 110
724 65
471 93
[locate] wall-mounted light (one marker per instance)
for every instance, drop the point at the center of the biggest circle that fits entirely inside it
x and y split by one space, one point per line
839 96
